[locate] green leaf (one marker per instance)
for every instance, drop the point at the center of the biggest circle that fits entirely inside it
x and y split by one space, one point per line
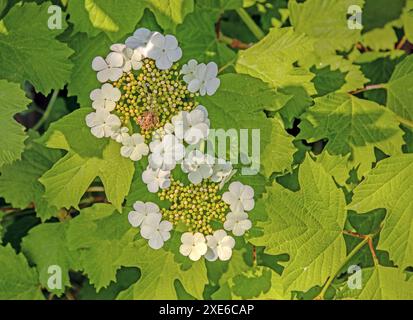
68 179
272 59
170 13
336 165
400 89
380 283
116 18
160 270
31 49
83 79
307 225
19 183
97 231
256 283
378 67
378 13
407 19
46 245
12 101
239 104
352 125
325 22
18 281
389 186
198 39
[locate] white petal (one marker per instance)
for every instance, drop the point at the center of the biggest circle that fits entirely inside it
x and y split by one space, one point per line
139 206
212 86
238 230
228 241
229 225
170 42
194 85
211 70
174 55
117 47
165 226
224 253
151 207
248 204
229 198
98 132
153 187
185 250
187 238
235 188
163 63
115 59
98 64
103 75
195 177
156 242
115 74
211 254
135 218
95 94
157 40
147 231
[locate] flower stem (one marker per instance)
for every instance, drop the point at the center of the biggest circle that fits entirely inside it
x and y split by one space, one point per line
49 108
350 255
254 28
369 87
233 43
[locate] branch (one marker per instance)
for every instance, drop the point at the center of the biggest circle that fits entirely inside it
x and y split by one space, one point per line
369 87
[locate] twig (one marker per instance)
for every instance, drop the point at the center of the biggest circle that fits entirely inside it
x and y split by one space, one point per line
401 43
234 43
250 23
49 108
369 87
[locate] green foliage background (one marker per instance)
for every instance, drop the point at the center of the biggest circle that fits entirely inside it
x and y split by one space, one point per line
335 110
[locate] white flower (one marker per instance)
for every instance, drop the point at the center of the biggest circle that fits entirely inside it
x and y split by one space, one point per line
158 135
156 179
166 153
221 170
219 246
155 231
120 135
198 166
189 70
240 197
205 79
193 245
164 50
134 147
192 126
102 123
132 59
237 222
105 98
109 68
141 212
140 39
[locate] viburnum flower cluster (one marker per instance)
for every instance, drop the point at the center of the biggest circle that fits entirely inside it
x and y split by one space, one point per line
147 103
